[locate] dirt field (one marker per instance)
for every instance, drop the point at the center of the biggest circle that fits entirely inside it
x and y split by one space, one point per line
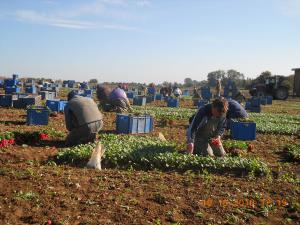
36 191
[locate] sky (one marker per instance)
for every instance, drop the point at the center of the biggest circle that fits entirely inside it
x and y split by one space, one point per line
147 40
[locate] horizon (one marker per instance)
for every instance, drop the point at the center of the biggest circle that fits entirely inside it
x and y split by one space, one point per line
147 41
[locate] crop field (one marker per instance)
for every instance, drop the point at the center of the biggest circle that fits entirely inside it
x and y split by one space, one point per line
146 179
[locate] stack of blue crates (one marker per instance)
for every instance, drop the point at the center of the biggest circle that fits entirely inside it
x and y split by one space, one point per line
245 131
263 100
127 124
24 101
38 116
158 97
7 100
151 91
173 102
30 89
47 95
56 105
254 105
139 100
10 85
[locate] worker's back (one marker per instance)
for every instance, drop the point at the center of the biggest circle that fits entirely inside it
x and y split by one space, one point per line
82 110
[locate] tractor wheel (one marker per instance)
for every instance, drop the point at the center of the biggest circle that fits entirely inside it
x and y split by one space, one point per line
282 93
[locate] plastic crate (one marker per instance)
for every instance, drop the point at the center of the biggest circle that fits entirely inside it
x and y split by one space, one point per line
151 91
263 100
47 95
10 82
186 93
138 100
11 90
38 116
158 97
127 124
173 102
248 105
30 90
130 94
255 109
7 100
269 100
25 101
150 98
15 76
88 92
230 93
56 105
245 131
201 103
255 102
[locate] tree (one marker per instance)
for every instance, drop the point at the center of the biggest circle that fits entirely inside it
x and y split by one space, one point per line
188 82
213 76
262 77
235 76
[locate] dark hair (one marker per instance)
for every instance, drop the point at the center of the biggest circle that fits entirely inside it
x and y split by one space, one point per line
220 104
102 92
72 94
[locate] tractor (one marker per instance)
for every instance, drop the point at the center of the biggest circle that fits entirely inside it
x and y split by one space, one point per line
274 86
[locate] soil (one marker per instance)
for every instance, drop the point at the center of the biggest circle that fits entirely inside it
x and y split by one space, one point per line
34 191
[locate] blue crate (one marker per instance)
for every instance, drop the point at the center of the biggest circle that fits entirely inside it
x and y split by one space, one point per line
201 103
139 100
151 91
245 131
88 92
24 101
269 100
173 103
130 94
150 98
127 124
47 95
38 116
11 90
263 100
15 76
248 105
10 82
230 93
30 90
6 100
56 105
255 101
158 97
255 109
206 94
84 85
186 93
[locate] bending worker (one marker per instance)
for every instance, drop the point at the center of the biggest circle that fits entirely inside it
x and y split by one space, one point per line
83 119
206 129
115 100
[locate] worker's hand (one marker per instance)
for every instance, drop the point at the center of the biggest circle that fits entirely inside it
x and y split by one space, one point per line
216 141
190 148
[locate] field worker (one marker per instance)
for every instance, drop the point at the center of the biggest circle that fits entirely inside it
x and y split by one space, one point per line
83 119
218 88
115 100
235 111
177 92
206 129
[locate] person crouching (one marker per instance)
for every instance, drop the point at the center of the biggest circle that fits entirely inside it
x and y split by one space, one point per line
83 119
206 129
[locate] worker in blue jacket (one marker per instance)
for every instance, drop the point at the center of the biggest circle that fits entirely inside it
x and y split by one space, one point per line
206 129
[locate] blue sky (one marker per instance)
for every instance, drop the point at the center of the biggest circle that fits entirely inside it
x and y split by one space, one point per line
147 40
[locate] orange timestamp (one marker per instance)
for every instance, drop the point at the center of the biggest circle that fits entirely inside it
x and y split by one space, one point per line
243 202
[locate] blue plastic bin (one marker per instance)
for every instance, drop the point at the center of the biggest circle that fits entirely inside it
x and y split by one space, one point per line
10 82
15 76
248 105
151 91
24 101
173 102
255 101
139 100
255 109
7 100
56 105
11 90
88 92
269 100
127 124
245 131
186 93
263 100
130 94
158 97
38 116
30 90
150 98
